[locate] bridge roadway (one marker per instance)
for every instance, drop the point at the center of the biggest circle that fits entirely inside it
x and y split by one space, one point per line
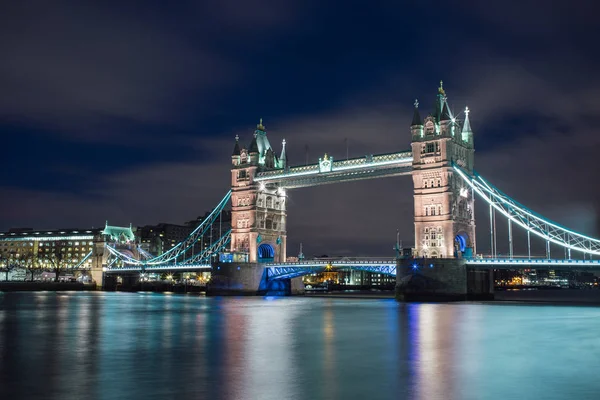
384 266
388 266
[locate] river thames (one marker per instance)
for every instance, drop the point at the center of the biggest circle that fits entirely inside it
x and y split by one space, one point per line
99 345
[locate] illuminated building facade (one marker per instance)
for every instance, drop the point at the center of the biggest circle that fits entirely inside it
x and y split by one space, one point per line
83 249
17 244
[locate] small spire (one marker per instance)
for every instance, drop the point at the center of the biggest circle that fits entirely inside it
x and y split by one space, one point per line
466 130
260 125
441 88
416 116
236 148
283 158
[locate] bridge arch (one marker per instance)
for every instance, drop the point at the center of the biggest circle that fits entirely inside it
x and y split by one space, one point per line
462 245
266 253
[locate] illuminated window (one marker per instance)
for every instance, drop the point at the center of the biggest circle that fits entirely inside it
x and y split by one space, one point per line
430 148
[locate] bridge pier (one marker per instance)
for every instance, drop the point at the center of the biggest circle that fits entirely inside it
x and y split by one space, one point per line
441 279
249 279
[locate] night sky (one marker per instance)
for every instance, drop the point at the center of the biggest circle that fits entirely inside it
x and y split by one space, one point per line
127 111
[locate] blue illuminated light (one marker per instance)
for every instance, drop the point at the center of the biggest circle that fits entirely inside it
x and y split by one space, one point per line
430 265
238 268
415 266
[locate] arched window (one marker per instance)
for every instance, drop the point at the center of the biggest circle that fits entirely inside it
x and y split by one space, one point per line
426 210
269 223
438 182
260 202
439 210
431 183
425 184
426 230
269 202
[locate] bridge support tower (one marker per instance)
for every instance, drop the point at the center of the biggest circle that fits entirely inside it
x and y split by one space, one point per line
258 212
443 209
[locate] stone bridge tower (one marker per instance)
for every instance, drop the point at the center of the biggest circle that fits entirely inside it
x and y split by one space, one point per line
258 213
444 206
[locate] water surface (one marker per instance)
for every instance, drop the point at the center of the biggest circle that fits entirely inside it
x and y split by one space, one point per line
154 346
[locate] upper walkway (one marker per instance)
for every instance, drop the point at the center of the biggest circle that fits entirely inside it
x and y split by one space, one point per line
328 170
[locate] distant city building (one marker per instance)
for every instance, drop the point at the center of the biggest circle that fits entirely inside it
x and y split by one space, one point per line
156 239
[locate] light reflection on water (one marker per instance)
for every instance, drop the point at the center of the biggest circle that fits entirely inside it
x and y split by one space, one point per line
152 346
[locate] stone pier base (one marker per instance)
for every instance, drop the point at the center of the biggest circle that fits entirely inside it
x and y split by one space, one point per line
97 276
249 279
441 279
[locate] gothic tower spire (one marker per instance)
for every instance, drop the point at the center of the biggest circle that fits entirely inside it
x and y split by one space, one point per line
467 133
416 116
283 158
236 148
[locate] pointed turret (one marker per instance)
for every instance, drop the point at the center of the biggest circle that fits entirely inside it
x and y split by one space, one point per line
445 116
283 158
467 133
253 145
416 116
236 148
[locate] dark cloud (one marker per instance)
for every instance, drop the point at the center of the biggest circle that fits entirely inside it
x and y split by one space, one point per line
150 85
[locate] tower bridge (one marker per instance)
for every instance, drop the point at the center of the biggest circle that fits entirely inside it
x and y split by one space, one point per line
252 257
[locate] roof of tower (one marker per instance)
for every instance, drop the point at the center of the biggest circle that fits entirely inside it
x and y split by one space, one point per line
236 148
416 116
261 138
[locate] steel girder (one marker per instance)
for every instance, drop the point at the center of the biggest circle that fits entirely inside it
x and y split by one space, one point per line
292 270
527 219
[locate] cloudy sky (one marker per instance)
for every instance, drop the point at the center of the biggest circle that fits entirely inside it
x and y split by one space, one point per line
126 111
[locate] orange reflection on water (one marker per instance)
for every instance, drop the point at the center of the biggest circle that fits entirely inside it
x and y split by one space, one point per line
434 350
